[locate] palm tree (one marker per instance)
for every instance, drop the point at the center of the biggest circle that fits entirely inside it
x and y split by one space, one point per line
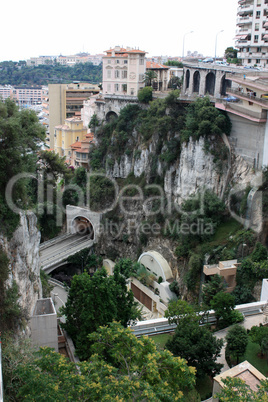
149 77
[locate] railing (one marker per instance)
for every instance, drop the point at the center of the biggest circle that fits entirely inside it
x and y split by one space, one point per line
249 96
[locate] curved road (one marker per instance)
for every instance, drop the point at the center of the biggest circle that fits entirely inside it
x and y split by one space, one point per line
53 253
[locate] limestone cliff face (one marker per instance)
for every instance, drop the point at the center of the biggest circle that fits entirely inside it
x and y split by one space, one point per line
23 253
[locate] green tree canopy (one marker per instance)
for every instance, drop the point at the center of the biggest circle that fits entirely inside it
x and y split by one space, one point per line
122 367
198 346
145 95
211 288
20 136
95 301
223 304
237 340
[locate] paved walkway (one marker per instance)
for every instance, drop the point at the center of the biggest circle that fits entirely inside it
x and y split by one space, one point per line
249 322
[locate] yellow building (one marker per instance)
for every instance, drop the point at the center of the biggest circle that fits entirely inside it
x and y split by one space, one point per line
66 101
65 135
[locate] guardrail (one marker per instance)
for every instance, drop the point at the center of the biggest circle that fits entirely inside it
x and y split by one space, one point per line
161 325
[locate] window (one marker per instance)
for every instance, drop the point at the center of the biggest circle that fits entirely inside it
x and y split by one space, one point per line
257 26
258 49
249 61
116 74
125 61
258 14
142 62
124 87
258 61
141 77
256 38
132 91
258 3
109 74
109 61
117 61
109 87
116 87
124 74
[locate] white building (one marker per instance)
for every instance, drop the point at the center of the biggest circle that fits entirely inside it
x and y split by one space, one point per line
252 32
123 71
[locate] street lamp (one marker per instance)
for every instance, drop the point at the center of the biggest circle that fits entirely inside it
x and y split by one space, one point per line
216 43
183 42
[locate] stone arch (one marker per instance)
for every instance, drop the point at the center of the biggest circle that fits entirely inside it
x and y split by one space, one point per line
187 79
210 83
83 226
111 115
156 264
196 83
109 266
225 84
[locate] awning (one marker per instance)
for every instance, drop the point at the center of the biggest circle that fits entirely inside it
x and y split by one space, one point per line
239 37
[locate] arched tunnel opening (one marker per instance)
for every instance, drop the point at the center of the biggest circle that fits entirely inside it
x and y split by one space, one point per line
83 227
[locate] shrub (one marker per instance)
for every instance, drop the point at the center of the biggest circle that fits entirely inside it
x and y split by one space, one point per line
145 95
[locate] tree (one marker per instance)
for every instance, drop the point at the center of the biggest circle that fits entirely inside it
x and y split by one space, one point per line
20 137
95 301
236 390
145 95
149 77
223 304
237 340
94 122
211 288
198 346
122 368
259 335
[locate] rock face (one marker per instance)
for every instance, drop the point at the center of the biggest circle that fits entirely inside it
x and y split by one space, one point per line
23 253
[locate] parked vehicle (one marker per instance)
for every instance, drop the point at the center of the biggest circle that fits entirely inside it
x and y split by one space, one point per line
208 60
231 98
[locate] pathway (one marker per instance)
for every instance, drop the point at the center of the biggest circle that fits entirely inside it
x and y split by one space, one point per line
248 323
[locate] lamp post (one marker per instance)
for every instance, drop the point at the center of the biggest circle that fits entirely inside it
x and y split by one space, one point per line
183 42
216 44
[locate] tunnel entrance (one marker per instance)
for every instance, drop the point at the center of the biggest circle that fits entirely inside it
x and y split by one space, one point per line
83 226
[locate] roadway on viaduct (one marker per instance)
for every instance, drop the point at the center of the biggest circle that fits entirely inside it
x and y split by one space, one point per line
55 252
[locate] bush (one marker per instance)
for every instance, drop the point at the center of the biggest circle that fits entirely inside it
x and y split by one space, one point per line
145 95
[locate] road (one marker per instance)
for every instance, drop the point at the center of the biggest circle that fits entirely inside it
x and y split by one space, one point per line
53 253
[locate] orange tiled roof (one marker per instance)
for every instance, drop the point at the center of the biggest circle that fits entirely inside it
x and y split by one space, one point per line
152 64
123 50
76 144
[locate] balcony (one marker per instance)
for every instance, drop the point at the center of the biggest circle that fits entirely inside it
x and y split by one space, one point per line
249 97
240 110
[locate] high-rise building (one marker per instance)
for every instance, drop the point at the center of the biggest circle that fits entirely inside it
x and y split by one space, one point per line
252 32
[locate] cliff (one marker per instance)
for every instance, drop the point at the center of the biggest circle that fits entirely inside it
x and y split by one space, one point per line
23 253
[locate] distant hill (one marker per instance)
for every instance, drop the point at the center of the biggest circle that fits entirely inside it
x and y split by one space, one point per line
13 73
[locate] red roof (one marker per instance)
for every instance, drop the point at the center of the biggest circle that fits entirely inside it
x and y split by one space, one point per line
153 65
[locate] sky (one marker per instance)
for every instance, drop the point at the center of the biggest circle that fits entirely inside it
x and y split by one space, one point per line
32 28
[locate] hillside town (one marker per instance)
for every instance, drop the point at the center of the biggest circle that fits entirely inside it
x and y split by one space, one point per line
133 222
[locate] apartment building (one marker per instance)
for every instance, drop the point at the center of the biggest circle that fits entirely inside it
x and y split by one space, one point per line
66 101
6 91
252 32
123 71
67 134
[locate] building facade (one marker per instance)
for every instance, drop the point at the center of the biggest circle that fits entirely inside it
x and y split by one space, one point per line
252 32
123 71
67 134
66 101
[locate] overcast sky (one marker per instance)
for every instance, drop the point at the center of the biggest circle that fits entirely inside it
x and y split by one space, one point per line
32 28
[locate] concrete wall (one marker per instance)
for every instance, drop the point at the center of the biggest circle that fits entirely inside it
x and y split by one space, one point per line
247 138
73 212
264 290
43 324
